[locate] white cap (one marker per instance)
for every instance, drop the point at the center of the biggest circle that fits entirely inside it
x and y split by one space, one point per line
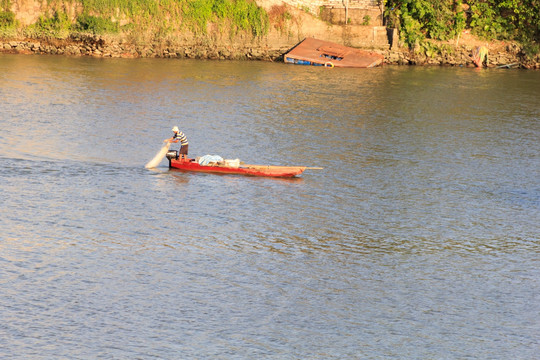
175 129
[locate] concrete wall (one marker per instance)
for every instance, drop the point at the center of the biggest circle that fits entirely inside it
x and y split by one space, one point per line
337 12
306 24
315 5
353 16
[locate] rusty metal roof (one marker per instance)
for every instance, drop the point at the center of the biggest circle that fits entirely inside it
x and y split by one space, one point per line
319 52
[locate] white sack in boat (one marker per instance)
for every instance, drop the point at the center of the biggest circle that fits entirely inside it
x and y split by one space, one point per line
207 160
234 163
159 156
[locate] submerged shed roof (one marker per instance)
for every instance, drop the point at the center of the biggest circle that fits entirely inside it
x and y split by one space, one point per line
320 52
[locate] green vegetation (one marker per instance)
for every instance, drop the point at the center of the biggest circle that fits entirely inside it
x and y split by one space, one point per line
145 16
8 24
57 26
321 11
367 20
195 15
418 20
7 19
95 25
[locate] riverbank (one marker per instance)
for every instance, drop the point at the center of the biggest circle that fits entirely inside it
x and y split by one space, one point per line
222 40
104 46
502 55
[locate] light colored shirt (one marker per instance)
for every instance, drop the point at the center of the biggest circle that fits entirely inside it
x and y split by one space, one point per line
180 136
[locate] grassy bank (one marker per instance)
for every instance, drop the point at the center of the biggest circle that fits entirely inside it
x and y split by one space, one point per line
143 20
233 28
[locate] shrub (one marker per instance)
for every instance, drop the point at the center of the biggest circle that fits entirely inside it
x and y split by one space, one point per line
443 19
96 25
57 26
199 13
7 19
250 17
367 20
244 15
223 9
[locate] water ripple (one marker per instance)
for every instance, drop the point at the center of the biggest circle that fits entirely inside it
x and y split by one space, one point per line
420 233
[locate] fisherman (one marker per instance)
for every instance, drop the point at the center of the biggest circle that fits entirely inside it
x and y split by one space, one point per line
179 136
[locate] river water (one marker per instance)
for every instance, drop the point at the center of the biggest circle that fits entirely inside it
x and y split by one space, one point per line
419 239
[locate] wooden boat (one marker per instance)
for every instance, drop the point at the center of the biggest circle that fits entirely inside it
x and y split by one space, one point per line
242 169
324 53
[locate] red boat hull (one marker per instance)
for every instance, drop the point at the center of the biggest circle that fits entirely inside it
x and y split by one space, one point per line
251 170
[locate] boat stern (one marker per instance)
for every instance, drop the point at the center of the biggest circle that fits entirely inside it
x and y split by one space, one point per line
171 154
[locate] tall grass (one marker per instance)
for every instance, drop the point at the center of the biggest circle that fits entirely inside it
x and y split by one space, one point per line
57 26
195 15
154 18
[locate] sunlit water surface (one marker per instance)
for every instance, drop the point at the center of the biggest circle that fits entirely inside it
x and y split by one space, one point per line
419 239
